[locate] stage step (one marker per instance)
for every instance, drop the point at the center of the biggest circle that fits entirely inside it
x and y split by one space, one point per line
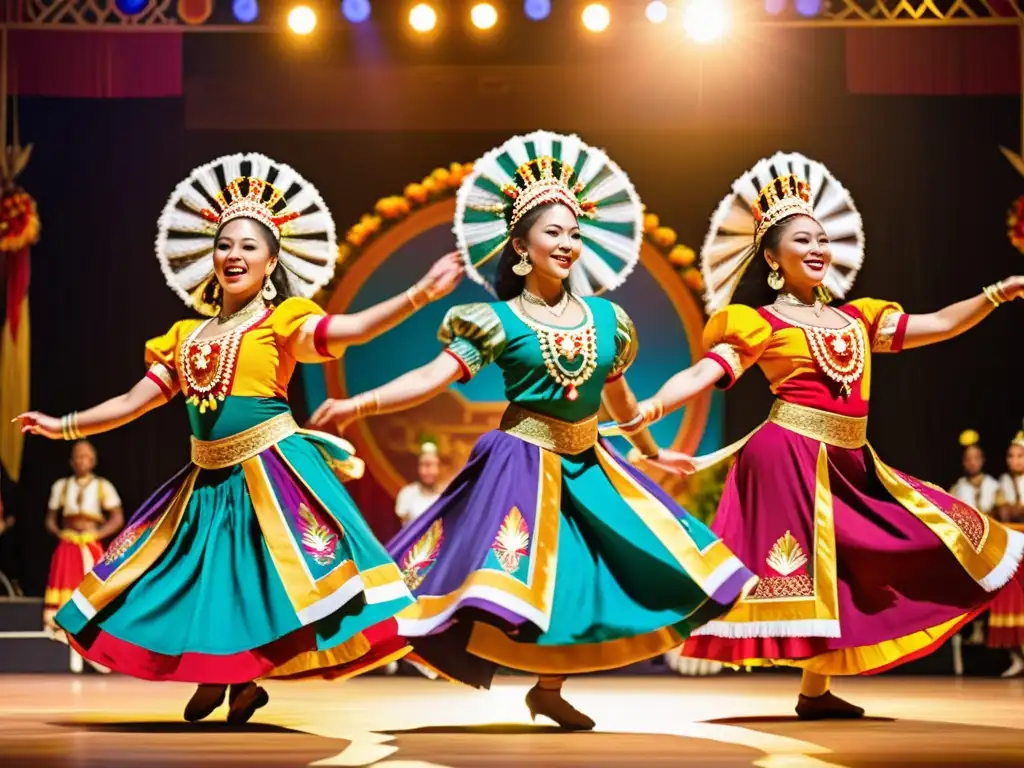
24 646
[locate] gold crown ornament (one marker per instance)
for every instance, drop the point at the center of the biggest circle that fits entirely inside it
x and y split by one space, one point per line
248 186
543 167
777 187
968 438
1018 439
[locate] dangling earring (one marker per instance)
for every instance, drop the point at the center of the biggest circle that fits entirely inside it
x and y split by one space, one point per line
823 294
269 289
775 279
523 267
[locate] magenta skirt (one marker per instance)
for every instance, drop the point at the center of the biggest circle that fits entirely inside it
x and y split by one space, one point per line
862 567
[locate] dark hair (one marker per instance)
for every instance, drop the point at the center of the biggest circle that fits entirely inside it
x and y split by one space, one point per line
753 289
507 284
212 293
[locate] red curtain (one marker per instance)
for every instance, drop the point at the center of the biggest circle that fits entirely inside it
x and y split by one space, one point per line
94 65
933 61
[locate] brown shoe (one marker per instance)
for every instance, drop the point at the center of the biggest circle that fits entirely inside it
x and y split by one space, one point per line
204 701
826 707
245 700
542 701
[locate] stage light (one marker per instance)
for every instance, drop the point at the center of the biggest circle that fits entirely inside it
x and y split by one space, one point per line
657 12
596 17
131 7
302 20
356 11
774 7
484 15
808 7
246 11
537 10
705 20
423 18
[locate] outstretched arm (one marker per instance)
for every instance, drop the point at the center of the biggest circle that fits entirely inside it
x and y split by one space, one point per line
408 390
949 322
142 398
622 406
361 327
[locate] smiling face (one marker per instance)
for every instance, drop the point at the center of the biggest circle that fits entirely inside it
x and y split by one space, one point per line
552 240
801 251
244 254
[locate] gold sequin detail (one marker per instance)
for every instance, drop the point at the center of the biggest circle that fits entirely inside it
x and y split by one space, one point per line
229 451
849 432
555 435
886 331
731 357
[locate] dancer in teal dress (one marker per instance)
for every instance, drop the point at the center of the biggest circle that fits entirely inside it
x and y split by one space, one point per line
548 553
252 561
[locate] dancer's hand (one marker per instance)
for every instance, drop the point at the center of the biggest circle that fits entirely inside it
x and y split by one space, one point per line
338 412
36 423
648 412
1013 287
442 278
667 460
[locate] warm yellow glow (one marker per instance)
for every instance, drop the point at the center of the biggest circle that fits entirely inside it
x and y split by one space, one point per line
657 12
484 15
596 17
301 20
705 20
423 18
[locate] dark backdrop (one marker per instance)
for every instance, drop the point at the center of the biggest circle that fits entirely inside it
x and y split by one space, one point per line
925 172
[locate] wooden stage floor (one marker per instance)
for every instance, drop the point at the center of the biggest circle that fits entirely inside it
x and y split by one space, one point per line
405 722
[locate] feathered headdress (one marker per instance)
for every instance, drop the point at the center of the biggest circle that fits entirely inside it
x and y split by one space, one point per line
782 185
542 167
245 186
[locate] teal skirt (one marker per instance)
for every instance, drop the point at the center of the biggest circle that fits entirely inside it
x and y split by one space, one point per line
264 568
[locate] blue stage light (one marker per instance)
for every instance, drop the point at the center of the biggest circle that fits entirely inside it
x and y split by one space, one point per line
537 10
356 11
808 7
131 7
246 11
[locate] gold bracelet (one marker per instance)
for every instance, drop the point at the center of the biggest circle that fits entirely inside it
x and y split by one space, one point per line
76 432
995 294
367 404
65 428
414 295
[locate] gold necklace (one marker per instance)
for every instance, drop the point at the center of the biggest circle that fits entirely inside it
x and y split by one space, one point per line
557 344
793 301
557 310
257 301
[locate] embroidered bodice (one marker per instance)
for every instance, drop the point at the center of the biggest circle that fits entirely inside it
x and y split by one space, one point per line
88 500
233 380
558 372
828 369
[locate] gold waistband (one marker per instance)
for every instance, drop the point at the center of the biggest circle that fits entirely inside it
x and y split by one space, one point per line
565 437
228 451
832 428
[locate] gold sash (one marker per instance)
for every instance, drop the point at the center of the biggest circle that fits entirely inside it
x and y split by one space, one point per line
551 434
229 451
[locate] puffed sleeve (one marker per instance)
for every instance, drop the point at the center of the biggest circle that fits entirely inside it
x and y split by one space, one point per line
161 357
300 327
109 498
886 323
473 335
57 494
735 337
626 343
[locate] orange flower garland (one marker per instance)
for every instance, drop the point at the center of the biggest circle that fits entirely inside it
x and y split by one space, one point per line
1015 222
19 221
443 183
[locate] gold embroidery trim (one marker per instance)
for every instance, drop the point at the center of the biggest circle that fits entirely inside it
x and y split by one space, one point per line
849 432
165 374
729 354
229 451
886 333
555 435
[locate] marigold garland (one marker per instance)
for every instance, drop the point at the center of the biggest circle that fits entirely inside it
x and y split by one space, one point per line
19 221
444 182
1015 223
